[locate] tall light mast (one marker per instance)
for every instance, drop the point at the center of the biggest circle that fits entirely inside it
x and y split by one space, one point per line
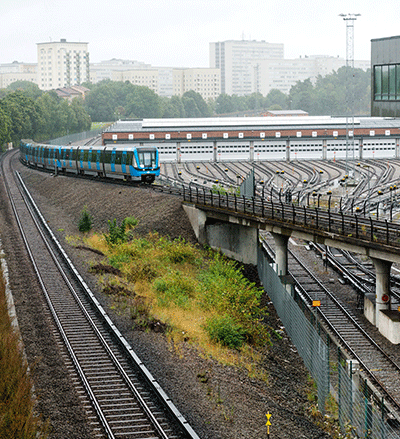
349 19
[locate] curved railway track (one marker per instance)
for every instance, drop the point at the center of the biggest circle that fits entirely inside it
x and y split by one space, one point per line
126 399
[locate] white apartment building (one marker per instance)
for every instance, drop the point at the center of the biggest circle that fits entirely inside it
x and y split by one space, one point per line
168 81
282 74
205 81
235 60
104 69
62 64
17 71
145 77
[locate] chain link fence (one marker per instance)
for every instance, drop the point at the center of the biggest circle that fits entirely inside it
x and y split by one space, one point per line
359 412
77 137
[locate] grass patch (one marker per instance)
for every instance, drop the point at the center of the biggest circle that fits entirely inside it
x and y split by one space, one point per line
17 415
193 295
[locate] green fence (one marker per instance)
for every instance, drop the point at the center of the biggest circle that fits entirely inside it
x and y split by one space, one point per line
358 409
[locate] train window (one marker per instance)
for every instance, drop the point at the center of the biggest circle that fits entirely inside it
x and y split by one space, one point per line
147 158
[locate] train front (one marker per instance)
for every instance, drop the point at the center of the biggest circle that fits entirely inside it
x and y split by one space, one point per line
147 163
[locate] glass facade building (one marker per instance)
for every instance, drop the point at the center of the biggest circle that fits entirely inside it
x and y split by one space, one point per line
385 81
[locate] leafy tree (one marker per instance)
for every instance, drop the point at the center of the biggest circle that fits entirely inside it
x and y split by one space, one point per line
302 96
199 101
143 102
24 114
275 98
346 91
5 127
30 88
191 108
173 107
100 102
224 104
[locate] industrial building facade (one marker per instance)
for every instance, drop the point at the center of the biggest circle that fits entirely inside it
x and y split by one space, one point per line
385 82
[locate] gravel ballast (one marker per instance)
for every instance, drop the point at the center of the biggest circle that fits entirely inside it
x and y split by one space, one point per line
218 401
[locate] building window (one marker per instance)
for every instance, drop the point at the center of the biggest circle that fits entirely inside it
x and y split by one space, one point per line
387 82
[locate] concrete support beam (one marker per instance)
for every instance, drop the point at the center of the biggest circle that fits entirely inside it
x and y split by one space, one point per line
215 151
324 149
251 150
178 152
281 258
382 295
288 150
234 240
198 220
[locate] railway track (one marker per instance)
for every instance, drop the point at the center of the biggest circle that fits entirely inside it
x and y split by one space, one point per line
345 327
125 400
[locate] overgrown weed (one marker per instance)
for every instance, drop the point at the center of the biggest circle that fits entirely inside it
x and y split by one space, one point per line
199 295
18 418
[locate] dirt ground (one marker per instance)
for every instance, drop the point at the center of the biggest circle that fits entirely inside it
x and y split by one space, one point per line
219 402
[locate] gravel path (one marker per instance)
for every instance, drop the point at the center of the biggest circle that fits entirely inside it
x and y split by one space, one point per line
219 402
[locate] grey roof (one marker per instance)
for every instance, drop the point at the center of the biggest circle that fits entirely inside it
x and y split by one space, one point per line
281 123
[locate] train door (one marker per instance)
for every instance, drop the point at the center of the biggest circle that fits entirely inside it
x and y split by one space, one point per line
71 152
63 157
113 157
98 160
57 152
81 157
123 161
90 158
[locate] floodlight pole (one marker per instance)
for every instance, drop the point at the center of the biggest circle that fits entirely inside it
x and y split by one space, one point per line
349 19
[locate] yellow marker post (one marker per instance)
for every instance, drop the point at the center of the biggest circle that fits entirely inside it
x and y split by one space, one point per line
268 415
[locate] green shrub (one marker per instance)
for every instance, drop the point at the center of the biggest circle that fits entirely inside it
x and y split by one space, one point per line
116 234
174 288
85 221
225 330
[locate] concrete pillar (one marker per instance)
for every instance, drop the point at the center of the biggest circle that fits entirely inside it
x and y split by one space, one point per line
251 151
360 149
382 294
215 152
288 149
281 258
178 152
324 149
198 220
397 154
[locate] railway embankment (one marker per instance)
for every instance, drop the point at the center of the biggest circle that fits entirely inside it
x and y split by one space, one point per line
218 401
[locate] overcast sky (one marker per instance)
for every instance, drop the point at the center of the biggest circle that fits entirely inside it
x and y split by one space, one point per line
177 33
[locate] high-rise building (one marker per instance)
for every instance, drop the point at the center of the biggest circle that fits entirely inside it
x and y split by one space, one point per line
62 64
235 60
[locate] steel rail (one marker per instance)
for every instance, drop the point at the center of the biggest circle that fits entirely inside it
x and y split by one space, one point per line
178 418
35 211
327 321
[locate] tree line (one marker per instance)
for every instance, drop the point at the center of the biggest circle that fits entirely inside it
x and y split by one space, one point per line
28 112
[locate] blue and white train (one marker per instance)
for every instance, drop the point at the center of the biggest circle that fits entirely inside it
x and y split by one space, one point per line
131 163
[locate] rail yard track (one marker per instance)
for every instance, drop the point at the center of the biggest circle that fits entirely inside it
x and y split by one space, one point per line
122 398
382 371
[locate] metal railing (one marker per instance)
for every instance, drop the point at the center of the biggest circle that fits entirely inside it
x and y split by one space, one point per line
352 228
